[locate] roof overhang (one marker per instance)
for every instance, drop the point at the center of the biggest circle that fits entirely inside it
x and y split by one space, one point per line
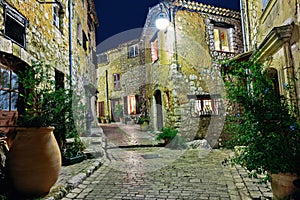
274 41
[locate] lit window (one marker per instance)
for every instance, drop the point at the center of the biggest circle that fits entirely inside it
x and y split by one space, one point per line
205 105
223 39
133 51
79 33
8 90
117 82
131 104
154 50
14 26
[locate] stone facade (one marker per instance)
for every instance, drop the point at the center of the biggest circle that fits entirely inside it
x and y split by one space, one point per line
272 28
186 74
121 81
176 77
35 30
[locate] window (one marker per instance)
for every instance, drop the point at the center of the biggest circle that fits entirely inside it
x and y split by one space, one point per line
205 105
223 39
59 79
117 82
14 26
8 90
264 3
56 15
102 58
154 50
131 104
133 51
79 33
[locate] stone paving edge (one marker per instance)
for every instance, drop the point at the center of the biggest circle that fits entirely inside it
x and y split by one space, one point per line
60 191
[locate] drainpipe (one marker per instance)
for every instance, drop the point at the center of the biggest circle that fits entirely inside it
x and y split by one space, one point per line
243 26
107 98
70 42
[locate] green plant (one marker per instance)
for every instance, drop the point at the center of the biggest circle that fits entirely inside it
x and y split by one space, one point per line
262 121
41 101
74 148
119 110
142 119
167 133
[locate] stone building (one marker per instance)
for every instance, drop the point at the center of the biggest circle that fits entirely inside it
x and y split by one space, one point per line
183 84
120 81
271 28
42 30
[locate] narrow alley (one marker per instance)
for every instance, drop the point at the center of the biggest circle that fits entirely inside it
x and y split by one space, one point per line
162 173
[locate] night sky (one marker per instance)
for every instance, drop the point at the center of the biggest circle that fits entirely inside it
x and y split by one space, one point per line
118 16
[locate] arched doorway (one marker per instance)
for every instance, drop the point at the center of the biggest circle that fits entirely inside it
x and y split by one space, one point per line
158 110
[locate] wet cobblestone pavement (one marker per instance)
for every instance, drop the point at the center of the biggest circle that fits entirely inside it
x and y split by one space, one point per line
162 173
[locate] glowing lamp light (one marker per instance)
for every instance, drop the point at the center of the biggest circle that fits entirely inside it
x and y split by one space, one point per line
162 21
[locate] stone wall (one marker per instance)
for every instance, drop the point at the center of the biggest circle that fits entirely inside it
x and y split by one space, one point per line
50 42
132 75
196 70
285 55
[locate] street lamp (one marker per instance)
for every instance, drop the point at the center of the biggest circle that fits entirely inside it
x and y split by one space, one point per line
162 21
165 18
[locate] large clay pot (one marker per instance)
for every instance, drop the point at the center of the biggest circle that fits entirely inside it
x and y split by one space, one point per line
34 161
282 185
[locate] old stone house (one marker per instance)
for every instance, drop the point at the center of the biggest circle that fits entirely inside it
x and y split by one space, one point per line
60 33
271 28
120 81
183 85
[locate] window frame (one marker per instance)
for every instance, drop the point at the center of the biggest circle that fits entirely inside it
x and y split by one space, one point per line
117 82
154 47
228 39
18 18
56 16
215 105
133 51
229 28
10 89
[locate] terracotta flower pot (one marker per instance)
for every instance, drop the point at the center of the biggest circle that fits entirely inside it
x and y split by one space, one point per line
282 185
34 161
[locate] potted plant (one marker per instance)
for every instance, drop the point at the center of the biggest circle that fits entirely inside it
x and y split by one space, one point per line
167 134
143 121
265 126
73 151
119 112
34 159
102 119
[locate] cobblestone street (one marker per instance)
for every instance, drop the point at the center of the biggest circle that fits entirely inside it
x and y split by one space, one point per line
161 173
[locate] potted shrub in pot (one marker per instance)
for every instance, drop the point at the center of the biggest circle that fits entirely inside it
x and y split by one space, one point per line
34 159
167 134
119 112
144 122
266 125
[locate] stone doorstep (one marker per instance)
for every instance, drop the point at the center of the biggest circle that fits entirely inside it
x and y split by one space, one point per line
58 191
